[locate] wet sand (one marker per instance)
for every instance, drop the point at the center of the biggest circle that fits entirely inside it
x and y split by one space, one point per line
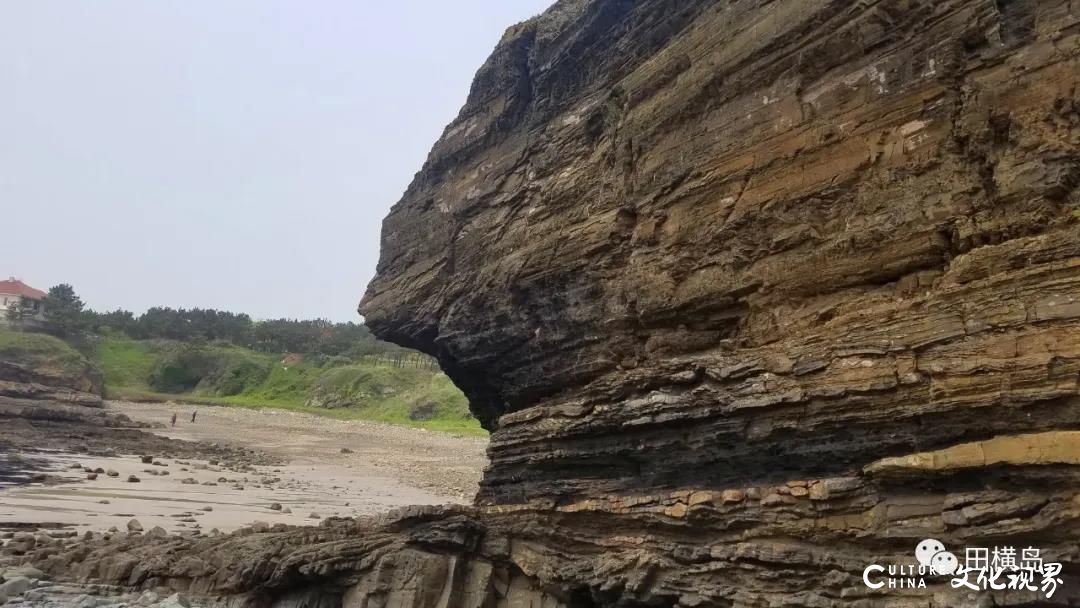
443 464
383 467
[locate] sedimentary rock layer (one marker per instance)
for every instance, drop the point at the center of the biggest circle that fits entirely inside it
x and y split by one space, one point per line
37 379
700 250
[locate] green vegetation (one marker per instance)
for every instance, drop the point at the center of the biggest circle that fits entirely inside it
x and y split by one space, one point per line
391 394
218 370
125 363
64 311
50 360
219 373
40 351
195 325
211 356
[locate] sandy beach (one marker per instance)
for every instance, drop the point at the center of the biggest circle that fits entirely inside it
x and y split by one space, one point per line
303 468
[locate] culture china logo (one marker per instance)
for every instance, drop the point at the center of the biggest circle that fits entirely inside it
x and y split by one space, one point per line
982 569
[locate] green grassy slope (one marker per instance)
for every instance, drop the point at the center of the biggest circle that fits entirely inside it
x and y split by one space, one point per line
224 374
125 363
35 349
50 361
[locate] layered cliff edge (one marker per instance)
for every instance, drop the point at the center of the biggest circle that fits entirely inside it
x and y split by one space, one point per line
798 280
41 367
751 294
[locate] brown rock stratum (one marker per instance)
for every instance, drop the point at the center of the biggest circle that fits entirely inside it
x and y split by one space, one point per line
751 294
40 378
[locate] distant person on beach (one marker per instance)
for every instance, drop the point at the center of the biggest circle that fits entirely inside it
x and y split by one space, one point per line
174 419
193 416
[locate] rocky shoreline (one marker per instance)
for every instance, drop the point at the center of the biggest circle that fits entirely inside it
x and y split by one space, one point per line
753 296
28 587
115 488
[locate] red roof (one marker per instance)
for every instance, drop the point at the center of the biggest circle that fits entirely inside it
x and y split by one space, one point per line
16 287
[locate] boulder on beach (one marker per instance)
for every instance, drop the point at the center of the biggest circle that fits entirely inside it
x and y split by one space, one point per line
174 601
15 586
24 571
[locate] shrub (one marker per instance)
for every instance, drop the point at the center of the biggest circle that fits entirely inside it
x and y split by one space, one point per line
234 375
180 370
208 370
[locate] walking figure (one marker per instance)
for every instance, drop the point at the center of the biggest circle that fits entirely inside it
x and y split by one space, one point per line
193 416
174 419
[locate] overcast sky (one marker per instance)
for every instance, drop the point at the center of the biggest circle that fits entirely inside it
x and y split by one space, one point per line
229 154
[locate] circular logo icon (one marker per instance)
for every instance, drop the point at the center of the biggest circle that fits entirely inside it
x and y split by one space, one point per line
926 551
944 563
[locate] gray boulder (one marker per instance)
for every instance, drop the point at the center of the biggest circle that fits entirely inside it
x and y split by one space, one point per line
29 572
15 586
173 601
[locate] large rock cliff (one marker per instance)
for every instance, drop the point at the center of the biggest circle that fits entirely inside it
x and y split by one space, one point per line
755 293
752 294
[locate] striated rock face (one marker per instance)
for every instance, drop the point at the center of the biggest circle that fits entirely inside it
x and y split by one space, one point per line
38 366
632 184
753 294
20 388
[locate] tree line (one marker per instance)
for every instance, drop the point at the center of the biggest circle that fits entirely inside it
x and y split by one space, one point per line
68 317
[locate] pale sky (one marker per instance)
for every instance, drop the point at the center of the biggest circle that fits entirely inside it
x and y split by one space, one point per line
231 154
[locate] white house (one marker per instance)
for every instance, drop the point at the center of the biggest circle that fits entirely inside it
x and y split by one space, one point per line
14 292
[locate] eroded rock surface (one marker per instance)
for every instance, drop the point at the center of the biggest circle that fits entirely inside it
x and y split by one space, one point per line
699 265
59 375
751 294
